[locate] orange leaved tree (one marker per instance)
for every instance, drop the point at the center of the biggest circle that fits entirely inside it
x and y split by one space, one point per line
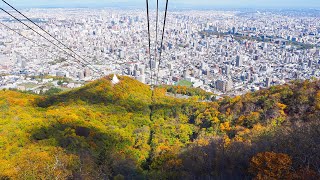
270 165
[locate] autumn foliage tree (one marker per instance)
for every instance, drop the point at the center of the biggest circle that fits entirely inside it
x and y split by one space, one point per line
126 131
270 165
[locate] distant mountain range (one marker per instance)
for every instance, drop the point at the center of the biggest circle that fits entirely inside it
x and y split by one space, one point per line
172 5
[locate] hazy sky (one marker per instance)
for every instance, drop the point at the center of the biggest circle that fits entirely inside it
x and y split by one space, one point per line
173 3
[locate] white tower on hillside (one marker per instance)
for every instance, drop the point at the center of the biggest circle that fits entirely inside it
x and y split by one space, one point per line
115 80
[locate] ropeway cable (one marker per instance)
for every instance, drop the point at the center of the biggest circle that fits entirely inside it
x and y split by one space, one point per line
163 32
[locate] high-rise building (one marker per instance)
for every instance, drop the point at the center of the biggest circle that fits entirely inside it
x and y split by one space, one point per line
227 70
23 64
229 85
153 64
185 74
87 72
140 57
142 70
81 75
220 85
141 78
310 63
234 30
121 54
224 85
239 61
268 82
136 67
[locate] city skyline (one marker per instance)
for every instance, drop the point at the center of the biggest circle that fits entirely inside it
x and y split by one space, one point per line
174 4
225 52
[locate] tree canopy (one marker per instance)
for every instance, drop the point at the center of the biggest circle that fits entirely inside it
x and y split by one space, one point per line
103 131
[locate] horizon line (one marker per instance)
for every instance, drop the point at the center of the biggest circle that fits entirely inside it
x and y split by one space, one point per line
172 7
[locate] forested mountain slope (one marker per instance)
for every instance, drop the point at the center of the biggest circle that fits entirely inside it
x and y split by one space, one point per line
121 131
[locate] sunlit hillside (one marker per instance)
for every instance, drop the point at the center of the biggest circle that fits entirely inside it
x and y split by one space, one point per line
126 131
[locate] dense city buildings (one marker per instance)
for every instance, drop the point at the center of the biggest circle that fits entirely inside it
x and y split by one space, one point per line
225 52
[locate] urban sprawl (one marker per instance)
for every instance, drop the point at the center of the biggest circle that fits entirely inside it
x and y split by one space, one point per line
225 52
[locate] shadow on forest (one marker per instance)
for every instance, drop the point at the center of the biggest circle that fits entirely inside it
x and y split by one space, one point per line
301 141
95 149
215 161
85 94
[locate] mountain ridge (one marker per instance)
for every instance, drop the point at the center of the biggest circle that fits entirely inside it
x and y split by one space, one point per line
122 131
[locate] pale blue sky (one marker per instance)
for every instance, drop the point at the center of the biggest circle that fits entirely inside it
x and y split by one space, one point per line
173 3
